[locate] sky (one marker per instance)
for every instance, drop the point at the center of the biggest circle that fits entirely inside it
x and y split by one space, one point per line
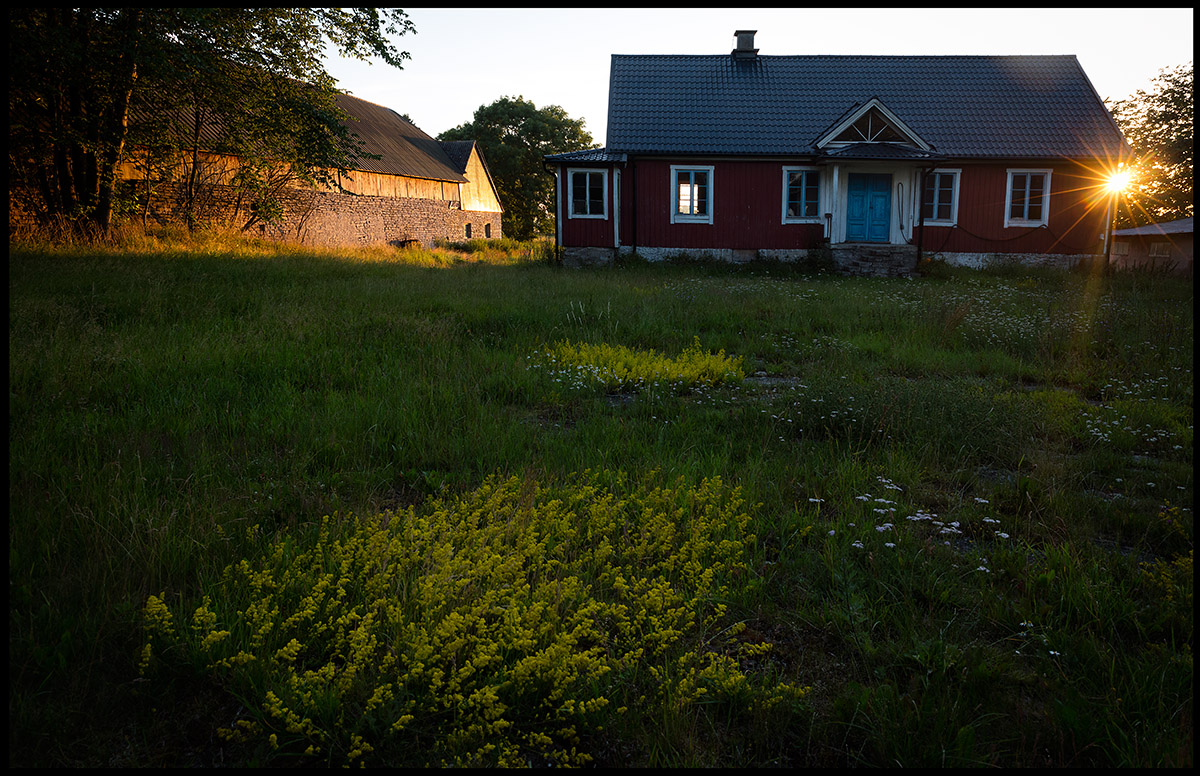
463 58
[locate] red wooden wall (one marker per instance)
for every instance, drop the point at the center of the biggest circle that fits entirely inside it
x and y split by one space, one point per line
747 202
1076 214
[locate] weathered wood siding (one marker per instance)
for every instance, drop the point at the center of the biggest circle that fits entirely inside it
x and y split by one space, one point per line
480 193
374 184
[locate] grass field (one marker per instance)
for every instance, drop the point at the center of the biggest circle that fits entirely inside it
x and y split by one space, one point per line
657 515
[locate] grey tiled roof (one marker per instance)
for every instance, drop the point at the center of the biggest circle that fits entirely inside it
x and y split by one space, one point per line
880 151
963 106
588 155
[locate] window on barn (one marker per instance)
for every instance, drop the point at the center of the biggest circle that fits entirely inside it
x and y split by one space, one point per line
691 194
940 204
1027 202
467 231
587 193
1160 250
487 230
801 195
1120 249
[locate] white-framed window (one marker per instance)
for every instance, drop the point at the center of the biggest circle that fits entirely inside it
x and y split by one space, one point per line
691 194
1160 250
939 206
587 191
1120 248
801 195
1027 201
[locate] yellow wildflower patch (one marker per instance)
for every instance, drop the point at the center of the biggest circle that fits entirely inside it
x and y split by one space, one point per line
491 627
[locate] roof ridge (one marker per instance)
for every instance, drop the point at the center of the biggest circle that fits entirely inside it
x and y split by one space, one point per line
861 56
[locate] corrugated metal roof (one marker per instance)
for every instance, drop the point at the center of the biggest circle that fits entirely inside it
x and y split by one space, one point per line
1182 226
964 106
405 150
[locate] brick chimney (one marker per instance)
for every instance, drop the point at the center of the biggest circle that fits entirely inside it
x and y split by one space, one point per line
745 45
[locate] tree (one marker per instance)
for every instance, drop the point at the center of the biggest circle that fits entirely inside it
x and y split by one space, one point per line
1159 126
515 136
253 77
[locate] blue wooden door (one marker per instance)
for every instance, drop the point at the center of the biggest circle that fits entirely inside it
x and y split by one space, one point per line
868 207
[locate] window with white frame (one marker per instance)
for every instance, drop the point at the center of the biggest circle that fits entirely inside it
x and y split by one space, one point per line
1027 202
1120 248
587 193
940 203
1160 250
801 195
691 194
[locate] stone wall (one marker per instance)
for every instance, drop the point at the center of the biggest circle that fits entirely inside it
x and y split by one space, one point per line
330 218
317 218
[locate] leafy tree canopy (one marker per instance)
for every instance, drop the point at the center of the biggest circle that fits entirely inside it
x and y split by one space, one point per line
255 74
515 136
1159 124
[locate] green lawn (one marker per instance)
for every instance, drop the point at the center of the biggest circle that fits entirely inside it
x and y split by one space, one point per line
664 515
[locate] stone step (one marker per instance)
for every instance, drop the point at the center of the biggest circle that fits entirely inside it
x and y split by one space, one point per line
875 259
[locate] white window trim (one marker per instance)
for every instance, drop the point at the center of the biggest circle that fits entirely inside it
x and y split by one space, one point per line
680 218
1008 199
571 193
821 196
953 220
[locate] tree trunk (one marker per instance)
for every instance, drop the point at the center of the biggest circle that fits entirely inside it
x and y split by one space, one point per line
116 122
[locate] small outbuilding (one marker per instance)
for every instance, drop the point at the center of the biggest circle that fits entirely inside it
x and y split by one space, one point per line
1166 246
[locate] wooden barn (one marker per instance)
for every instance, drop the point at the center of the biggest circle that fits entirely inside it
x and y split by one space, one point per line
419 189
868 161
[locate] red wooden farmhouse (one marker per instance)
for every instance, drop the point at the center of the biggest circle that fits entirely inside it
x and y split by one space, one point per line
867 160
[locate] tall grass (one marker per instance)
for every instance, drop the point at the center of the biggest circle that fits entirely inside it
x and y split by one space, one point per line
965 509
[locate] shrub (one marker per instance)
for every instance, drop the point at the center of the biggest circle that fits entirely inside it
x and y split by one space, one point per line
488 629
618 368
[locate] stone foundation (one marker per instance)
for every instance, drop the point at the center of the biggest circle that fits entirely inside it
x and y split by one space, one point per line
862 259
588 257
983 260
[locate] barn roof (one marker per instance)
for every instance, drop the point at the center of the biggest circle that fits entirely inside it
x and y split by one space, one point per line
963 106
458 152
402 147
405 149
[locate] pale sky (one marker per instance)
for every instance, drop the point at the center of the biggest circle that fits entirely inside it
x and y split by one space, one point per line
463 58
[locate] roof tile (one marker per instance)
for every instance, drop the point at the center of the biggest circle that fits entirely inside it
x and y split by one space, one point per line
964 106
